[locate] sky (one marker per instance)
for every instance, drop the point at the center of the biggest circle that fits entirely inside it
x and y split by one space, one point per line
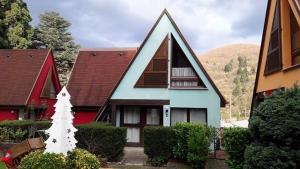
206 24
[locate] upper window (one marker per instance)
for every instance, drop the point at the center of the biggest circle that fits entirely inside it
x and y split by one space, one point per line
183 74
295 37
274 63
49 89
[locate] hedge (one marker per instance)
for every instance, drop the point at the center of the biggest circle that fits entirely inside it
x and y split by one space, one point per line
274 127
198 146
25 124
158 144
186 141
235 141
19 126
102 139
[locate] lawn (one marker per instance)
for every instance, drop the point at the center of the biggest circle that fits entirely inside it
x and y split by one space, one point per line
2 166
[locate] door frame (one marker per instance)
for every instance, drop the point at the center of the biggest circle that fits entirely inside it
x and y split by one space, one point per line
143 121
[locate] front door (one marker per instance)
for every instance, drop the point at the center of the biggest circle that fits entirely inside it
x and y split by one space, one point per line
135 118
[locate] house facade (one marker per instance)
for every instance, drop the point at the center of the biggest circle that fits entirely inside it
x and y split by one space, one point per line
28 84
164 83
94 75
279 58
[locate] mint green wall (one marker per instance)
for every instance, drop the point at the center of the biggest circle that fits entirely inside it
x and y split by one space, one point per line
178 98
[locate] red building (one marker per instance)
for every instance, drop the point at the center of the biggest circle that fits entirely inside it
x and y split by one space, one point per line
94 76
28 84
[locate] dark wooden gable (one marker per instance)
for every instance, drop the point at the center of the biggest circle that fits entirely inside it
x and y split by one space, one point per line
183 74
274 62
156 73
48 89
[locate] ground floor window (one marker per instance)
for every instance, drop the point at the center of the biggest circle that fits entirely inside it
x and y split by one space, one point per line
188 115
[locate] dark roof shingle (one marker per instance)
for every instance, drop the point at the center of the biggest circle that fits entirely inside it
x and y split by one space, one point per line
95 74
19 70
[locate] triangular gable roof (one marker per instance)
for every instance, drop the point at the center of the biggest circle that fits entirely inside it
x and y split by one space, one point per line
294 5
19 71
165 12
96 73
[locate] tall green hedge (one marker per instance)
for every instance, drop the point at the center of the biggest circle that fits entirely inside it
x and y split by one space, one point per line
102 139
275 130
235 141
22 126
186 141
158 144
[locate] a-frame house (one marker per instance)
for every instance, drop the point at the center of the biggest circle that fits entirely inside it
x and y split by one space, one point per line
279 58
28 84
164 83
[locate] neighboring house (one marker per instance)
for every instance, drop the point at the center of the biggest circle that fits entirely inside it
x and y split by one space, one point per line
94 76
164 83
279 58
28 84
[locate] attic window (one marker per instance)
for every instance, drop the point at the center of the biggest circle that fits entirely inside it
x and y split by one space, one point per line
295 37
48 89
183 74
274 63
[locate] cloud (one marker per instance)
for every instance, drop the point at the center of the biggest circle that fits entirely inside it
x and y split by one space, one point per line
205 23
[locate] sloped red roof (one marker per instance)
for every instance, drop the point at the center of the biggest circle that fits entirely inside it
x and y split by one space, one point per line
19 70
96 73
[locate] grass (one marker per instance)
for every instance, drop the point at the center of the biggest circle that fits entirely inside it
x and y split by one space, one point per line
2 166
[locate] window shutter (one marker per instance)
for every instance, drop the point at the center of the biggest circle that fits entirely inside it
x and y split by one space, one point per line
156 73
274 62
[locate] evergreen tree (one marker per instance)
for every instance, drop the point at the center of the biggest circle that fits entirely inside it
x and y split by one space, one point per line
53 32
228 67
15 29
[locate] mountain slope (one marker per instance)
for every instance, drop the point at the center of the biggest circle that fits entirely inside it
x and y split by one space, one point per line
214 61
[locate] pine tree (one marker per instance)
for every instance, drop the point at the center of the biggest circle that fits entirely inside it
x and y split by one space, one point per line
15 29
53 32
61 133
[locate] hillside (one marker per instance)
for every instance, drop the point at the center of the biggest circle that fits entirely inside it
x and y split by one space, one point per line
240 91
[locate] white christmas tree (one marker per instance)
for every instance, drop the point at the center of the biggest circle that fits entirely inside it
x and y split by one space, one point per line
61 133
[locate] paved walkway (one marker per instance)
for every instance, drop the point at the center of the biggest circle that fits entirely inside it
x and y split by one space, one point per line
134 158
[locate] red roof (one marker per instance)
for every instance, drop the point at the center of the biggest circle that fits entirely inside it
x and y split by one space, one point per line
96 73
19 70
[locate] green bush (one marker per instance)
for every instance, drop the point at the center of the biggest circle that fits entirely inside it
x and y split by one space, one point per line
39 160
236 140
265 157
102 139
180 150
158 144
198 146
275 125
8 134
79 159
20 128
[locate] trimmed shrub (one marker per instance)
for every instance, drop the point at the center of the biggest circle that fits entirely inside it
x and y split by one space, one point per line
198 146
275 125
102 139
236 140
39 160
25 124
20 128
80 158
180 150
158 144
